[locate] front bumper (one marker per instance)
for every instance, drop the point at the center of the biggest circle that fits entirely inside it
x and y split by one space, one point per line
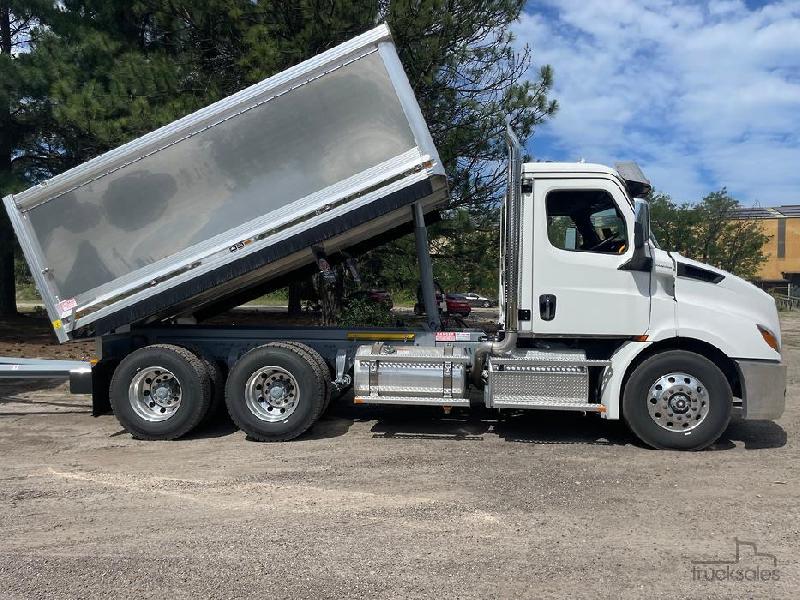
763 388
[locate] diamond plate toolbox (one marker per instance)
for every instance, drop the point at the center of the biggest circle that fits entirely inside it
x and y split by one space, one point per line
538 378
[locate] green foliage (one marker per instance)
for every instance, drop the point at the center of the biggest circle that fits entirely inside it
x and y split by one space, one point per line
362 312
464 257
404 297
709 232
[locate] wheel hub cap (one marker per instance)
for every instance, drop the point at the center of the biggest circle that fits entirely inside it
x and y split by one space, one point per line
678 402
155 394
271 394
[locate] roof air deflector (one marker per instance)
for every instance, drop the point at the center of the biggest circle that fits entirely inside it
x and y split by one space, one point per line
638 185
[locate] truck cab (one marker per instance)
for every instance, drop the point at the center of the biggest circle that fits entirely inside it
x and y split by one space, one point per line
593 277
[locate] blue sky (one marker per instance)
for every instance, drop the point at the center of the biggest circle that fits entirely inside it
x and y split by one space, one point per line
702 93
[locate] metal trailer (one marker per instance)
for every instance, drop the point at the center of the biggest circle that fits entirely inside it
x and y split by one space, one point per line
325 156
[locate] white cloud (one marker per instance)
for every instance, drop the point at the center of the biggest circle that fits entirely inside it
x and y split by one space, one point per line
701 94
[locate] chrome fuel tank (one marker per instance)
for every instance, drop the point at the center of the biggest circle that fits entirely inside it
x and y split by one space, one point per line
387 374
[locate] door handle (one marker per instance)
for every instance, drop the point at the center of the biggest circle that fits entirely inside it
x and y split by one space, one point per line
547 307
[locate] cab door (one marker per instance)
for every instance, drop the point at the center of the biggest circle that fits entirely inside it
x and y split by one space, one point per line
582 242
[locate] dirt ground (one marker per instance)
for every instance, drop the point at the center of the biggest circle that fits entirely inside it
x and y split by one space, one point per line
396 503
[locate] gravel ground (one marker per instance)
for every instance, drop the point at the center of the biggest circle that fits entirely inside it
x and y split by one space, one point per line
396 502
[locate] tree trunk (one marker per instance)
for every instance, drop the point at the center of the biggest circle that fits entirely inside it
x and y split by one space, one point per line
295 307
8 302
330 296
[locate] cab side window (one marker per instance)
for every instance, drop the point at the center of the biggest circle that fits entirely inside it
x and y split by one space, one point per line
585 221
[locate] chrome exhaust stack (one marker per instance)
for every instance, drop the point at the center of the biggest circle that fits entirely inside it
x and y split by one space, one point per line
509 261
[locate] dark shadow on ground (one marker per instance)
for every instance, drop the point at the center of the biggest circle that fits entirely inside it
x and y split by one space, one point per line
529 427
551 427
219 427
755 435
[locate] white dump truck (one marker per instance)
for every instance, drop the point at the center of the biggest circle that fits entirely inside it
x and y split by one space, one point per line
331 157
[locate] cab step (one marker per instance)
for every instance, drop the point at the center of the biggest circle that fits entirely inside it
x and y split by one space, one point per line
536 403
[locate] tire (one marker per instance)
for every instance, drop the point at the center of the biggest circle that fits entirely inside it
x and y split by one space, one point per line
217 381
300 392
677 400
135 381
315 358
486 304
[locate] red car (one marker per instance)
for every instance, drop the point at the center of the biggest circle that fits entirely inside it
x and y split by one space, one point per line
457 305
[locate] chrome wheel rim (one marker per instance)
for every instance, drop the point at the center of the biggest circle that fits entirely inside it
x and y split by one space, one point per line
272 394
155 394
678 402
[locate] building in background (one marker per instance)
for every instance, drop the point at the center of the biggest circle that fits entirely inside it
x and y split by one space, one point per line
781 270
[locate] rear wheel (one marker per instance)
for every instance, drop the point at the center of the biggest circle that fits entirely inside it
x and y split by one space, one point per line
160 392
275 392
678 400
486 304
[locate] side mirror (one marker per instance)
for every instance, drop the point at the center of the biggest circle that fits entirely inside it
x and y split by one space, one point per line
642 225
641 259
638 235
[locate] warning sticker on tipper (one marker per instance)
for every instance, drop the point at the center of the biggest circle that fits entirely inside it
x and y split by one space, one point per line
452 336
66 305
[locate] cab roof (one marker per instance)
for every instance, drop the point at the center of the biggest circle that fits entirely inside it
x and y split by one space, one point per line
627 172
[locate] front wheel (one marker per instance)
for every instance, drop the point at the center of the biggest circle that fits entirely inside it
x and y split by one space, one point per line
677 400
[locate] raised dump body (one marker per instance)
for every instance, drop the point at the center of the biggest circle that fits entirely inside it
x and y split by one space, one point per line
327 154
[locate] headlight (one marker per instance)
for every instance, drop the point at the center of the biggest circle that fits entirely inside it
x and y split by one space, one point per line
770 338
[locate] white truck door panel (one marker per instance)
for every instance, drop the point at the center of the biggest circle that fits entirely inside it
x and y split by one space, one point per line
582 233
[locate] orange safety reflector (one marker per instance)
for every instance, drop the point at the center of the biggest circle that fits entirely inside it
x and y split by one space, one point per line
640 338
601 408
94 361
358 401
